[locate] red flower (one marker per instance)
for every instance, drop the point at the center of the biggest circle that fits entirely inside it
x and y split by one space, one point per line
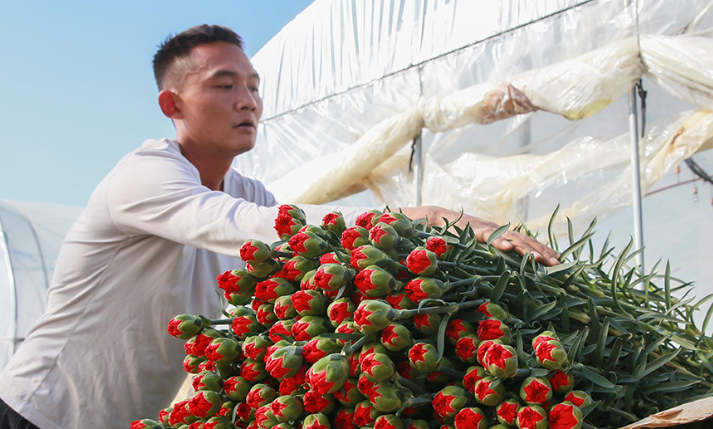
200 343
228 282
544 351
318 381
365 386
455 328
364 220
575 399
301 301
328 258
489 329
421 321
315 402
362 414
330 219
482 390
376 233
419 263
472 377
241 325
542 339
349 236
388 335
265 290
414 291
562 416
339 311
536 392
496 355
466 348
442 404
559 379
357 255
507 412
199 405
417 353
297 243
528 418
363 281
437 245
468 418
345 419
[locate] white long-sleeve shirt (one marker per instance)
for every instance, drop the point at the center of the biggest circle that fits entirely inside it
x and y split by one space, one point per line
148 246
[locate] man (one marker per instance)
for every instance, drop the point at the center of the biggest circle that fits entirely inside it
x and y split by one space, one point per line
157 230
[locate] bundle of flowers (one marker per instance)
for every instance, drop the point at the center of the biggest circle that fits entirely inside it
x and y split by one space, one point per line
394 324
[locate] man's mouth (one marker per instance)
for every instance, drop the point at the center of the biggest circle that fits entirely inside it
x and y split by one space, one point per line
248 123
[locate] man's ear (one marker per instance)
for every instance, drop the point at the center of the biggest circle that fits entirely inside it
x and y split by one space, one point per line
167 101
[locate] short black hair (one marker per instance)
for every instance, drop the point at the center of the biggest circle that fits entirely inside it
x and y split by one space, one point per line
180 46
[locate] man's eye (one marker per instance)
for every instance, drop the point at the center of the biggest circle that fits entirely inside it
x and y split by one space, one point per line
254 89
225 86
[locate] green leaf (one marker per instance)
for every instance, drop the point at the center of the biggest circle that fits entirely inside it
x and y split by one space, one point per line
543 309
550 231
497 233
707 319
602 342
614 353
672 386
683 342
615 275
658 363
588 409
575 247
561 267
499 288
442 335
464 254
596 378
593 316
222 306
667 285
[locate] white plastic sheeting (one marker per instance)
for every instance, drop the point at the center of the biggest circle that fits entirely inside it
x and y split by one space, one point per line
30 238
375 73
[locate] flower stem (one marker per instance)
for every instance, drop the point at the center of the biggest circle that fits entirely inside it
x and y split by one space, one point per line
221 321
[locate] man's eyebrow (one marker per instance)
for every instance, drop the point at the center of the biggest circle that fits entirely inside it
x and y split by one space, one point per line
231 73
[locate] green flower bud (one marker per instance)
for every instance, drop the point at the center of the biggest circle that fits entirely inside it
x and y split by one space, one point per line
531 417
565 415
378 367
551 354
286 408
579 398
190 363
222 351
334 221
308 327
316 421
340 310
204 403
308 244
423 357
255 251
237 388
471 418
396 337
372 316
207 380
388 421
364 256
374 281
261 270
385 398
449 401
501 361
422 262
506 411
309 302
489 393
259 395
536 390
184 326
383 236
328 374
349 395
399 221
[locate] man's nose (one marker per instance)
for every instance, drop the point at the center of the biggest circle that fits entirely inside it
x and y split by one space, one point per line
246 99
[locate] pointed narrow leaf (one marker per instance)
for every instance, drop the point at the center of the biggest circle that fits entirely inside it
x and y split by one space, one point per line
442 335
672 386
667 285
497 233
550 231
499 288
602 342
596 378
658 363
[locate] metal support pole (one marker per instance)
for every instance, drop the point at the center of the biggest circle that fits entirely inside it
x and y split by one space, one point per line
418 167
638 214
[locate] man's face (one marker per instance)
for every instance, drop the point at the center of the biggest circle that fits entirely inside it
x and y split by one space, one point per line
219 100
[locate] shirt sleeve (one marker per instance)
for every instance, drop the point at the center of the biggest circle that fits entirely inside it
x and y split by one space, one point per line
159 193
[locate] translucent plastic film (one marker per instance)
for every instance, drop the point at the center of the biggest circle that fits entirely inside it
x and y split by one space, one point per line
348 85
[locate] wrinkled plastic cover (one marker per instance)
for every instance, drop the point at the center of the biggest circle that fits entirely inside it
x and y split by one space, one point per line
347 86
32 235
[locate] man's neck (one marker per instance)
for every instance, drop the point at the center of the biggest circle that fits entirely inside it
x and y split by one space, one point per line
211 169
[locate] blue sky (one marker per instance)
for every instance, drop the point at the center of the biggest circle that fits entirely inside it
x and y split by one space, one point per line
77 90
